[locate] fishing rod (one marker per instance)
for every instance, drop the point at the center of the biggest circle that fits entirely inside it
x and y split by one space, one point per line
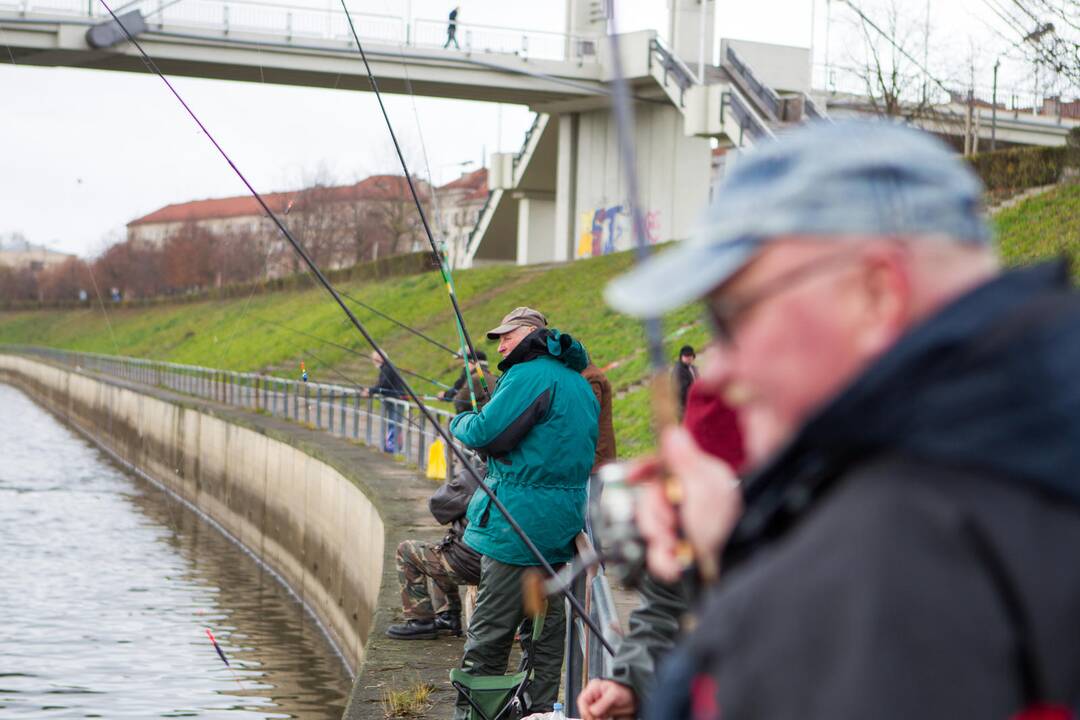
400 324
533 550
665 413
348 349
467 349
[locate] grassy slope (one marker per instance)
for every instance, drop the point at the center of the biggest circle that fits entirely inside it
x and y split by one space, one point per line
1044 226
229 333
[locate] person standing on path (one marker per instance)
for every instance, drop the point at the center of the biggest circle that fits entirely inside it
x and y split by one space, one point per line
391 387
538 432
684 375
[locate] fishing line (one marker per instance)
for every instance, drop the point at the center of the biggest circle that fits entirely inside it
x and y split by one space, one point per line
533 550
400 324
467 349
350 350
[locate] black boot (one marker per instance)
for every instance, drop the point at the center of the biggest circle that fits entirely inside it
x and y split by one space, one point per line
413 630
449 622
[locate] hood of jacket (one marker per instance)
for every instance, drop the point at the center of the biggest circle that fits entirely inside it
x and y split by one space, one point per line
548 342
990 384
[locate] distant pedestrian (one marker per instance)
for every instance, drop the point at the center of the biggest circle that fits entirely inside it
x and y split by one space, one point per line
684 375
451 29
391 387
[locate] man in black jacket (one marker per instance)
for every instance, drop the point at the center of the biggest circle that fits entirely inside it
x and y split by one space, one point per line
684 374
390 386
906 546
435 608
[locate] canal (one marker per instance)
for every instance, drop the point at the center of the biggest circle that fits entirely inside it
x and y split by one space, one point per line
107 588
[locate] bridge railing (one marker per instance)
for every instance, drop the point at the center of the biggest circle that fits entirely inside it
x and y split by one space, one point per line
382 422
748 121
293 23
763 94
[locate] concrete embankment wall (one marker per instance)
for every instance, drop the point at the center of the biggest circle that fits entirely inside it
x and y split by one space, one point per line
299 514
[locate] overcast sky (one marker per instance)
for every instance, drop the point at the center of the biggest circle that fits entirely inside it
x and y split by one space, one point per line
82 152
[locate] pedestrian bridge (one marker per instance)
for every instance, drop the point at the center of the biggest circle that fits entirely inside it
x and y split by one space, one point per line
265 41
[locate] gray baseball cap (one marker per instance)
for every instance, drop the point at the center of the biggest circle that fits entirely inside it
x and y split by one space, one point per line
845 179
518 317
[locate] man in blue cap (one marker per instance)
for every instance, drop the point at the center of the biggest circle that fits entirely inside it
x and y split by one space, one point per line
906 544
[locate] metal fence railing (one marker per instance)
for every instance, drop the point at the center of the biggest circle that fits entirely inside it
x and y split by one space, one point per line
299 23
386 423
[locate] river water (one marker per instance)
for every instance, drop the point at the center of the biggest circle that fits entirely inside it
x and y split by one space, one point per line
107 588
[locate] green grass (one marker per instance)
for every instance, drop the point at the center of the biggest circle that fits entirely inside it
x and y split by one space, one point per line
230 333
1044 226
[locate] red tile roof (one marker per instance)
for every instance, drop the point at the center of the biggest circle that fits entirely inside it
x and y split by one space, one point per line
476 183
376 187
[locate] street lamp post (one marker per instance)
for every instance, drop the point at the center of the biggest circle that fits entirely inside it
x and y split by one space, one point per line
993 109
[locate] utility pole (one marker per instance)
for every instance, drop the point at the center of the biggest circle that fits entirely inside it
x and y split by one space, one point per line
967 123
828 25
701 40
993 109
926 57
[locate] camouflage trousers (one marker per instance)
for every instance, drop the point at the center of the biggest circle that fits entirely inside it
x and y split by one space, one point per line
418 563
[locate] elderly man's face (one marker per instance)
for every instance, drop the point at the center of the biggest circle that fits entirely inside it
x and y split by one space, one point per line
510 340
803 319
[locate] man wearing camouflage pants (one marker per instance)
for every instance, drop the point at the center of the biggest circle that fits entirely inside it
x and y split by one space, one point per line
447 564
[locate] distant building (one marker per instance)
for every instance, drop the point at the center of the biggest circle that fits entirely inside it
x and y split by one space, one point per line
338 225
459 204
19 254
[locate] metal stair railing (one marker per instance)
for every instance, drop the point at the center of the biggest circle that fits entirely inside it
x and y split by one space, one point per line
674 68
765 95
749 122
337 409
810 109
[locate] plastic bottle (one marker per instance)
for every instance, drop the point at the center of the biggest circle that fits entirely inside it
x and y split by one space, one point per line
557 712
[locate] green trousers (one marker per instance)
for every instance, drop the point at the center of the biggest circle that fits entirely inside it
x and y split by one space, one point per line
491 631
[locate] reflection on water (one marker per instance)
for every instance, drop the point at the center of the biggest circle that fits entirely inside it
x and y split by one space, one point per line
107 586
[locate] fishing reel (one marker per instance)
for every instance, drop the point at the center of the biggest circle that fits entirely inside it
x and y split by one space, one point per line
613 514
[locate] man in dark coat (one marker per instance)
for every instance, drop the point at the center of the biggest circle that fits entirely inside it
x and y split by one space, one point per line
392 387
684 374
429 573
906 544
451 29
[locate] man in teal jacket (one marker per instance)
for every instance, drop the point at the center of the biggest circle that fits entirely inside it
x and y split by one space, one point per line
539 434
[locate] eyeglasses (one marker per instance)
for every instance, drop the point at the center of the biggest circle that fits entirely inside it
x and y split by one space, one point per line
724 315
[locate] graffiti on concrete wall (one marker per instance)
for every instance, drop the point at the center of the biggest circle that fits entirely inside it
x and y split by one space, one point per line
609 229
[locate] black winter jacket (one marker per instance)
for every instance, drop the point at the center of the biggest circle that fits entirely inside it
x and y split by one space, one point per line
448 506
913 552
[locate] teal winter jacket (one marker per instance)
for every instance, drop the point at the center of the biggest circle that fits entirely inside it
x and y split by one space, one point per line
539 433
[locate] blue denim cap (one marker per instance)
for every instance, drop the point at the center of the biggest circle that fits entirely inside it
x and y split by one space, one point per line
844 179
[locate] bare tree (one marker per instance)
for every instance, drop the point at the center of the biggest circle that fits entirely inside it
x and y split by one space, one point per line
1046 32
884 62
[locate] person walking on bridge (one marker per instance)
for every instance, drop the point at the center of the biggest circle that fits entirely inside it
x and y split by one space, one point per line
538 432
451 29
